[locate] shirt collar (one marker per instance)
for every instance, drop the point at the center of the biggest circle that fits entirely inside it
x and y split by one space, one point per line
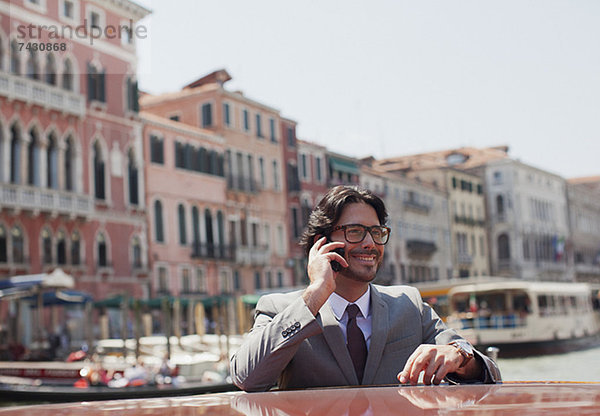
338 304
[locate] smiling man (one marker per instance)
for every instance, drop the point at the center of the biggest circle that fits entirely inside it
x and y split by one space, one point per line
342 329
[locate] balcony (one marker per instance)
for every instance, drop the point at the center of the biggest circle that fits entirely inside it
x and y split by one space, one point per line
468 221
464 259
242 183
36 92
420 248
45 200
252 256
416 206
212 251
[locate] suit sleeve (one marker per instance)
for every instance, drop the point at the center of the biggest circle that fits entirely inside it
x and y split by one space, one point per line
272 342
435 331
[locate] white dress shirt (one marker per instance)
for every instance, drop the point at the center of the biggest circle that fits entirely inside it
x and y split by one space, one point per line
363 319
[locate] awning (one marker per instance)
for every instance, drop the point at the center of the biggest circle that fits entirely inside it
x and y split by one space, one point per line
251 299
343 165
156 303
62 297
56 279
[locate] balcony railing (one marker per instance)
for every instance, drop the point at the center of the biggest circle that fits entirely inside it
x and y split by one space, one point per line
36 92
213 251
420 247
45 200
416 206
465 259
468 221
255 255
242 183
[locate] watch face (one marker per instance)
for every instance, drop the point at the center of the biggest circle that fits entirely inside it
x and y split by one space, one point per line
465 346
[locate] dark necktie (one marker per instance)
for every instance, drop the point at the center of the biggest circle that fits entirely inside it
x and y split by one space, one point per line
357 347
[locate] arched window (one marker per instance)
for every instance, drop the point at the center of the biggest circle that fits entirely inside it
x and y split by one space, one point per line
503 247
132 95
1 54
102 250
52 162
96 86
210 240
75 249
136 252
500 205
69 163
15 63
196 225
61 248
15 154
32 68
132 175
33 158
50 69
18 246
3 245
67 76
158 222
182 225
221 233
46 246
99 186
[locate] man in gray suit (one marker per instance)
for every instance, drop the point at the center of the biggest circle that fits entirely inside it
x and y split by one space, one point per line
342 329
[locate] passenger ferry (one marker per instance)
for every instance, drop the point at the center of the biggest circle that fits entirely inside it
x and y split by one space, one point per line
521 317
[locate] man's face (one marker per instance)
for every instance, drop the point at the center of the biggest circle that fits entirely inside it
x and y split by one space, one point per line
364 258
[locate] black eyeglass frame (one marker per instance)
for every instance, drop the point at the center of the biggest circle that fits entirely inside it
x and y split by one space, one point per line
365 230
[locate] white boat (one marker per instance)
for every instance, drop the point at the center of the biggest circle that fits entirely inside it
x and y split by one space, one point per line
520 317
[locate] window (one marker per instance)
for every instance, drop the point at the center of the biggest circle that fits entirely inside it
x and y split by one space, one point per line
52 162
15 62
261 168
319 169
95 84
257 283
102 250
295 223
99 186
95 20
201 285
182 225
254 235
136 253
269 279
33 158
503 247
68 9
158 222
61 248
3 245
276 185
67 76
246 120
174 117
163 280
18 245
497 178
304 166
69 163
157 154
207 115
500 205
75 248
131 89
267 228
15 154
186 284
226 115
280 279
272 130
210 238
291 137
50 69
258 126
132 175
32 70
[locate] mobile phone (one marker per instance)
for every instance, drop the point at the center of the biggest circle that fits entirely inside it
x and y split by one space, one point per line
335 265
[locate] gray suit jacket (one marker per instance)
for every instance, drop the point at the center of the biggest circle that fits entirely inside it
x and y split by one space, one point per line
290 347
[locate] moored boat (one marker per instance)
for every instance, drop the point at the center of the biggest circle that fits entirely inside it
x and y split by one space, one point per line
522 317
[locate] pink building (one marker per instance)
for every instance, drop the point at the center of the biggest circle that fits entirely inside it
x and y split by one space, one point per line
254 212
71 165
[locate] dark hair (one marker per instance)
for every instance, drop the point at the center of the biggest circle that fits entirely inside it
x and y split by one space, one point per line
329 210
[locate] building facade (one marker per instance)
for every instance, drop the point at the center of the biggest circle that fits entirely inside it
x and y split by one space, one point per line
71 165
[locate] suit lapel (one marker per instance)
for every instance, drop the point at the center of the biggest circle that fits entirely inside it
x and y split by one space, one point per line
379 333
335 339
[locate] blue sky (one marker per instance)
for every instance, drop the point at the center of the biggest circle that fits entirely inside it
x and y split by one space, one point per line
395 77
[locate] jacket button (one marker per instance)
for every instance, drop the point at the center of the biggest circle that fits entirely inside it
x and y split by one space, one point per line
297 325
285 333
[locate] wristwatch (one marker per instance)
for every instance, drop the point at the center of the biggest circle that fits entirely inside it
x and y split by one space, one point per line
465 349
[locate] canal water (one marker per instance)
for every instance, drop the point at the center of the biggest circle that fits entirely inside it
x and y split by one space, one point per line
583 365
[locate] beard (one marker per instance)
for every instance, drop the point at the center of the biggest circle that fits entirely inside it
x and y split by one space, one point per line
359 272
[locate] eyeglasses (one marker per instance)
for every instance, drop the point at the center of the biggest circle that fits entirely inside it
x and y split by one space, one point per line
355 233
